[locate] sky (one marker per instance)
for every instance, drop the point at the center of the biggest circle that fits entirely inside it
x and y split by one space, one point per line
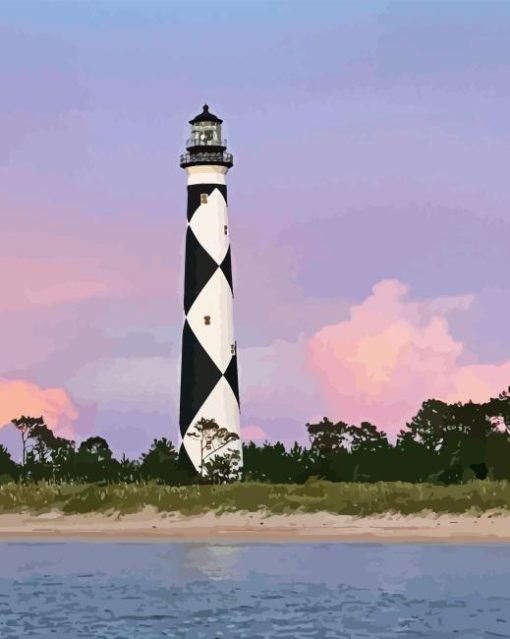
369 208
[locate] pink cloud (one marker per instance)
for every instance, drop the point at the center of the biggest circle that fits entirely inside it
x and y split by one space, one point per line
18 397
253 433
65 292
392 354
33 283
48 266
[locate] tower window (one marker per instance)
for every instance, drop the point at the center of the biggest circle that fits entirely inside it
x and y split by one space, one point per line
203 198
232 349
225 228
207 320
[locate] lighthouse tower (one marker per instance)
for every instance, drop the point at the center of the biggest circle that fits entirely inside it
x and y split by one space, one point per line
209 383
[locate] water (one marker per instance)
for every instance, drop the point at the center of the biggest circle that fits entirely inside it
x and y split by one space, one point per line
235 591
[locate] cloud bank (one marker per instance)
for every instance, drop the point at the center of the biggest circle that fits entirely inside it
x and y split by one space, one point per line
392 354
387 355
18 397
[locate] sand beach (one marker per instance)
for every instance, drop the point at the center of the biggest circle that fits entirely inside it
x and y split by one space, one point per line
489 527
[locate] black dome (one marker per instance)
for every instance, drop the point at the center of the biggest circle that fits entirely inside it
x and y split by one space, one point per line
205 116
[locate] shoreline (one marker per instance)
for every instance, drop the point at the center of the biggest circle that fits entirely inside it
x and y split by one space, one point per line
247 527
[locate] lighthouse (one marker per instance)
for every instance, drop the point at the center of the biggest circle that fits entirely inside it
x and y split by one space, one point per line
209 381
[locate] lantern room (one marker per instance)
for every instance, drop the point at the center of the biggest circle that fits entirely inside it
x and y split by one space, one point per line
206 146
206 130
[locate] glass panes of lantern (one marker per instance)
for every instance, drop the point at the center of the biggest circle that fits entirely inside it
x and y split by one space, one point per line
206 133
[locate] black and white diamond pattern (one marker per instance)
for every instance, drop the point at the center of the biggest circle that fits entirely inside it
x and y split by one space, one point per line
209 382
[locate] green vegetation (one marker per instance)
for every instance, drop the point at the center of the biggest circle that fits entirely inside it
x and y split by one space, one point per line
449 458
213 439
313 496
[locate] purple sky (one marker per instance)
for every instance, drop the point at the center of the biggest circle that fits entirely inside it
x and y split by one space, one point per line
369 207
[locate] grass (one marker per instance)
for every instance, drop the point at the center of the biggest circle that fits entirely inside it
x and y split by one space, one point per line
314 496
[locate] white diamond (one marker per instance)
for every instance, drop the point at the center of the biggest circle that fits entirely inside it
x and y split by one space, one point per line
221 405
211 319
208 224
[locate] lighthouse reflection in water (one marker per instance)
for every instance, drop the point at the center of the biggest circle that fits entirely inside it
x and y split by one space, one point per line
236 591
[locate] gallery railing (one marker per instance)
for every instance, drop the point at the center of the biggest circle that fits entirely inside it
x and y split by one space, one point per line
220 157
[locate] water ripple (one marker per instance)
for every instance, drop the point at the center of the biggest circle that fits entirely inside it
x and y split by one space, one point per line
225 591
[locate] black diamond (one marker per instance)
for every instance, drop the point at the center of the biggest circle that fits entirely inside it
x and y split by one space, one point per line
231 376
199 269
196 190
199 376
185 463
226 267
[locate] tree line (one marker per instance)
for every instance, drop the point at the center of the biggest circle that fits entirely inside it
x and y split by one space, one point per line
444 443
